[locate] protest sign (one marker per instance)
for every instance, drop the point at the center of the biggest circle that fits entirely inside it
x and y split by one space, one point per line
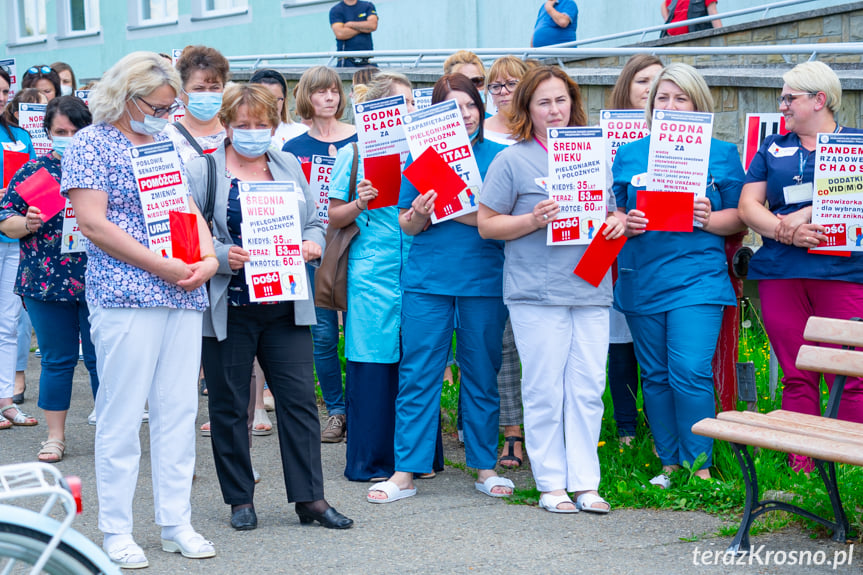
838 199
679 151
273 236
72 240
758 127
11 68
319 182
84 96
423 98
576 181
161 190
31 117
620 127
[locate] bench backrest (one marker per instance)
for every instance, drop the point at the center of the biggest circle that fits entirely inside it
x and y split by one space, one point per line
842 362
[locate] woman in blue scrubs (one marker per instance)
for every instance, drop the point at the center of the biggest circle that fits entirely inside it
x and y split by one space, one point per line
452 277
672 286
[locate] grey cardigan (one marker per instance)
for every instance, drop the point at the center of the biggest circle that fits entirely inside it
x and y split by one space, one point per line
283 167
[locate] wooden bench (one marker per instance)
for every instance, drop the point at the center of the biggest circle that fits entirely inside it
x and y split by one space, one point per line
825 439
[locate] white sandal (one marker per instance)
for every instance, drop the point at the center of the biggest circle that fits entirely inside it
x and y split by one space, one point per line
585 501
550 503
189 544
128 556
261 419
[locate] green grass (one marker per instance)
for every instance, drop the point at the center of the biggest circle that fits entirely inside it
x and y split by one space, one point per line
627 470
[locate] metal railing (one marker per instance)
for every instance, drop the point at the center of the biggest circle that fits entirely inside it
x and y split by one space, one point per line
765 9
415 58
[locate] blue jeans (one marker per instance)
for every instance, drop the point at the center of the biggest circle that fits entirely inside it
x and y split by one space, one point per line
325 336
58 325
25 330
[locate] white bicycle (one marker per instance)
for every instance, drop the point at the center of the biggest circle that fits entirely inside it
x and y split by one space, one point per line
34 542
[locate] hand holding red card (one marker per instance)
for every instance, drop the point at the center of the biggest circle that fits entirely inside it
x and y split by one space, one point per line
667 211
385 174
307 171
12 162
431 172
185 242
42 191
598 257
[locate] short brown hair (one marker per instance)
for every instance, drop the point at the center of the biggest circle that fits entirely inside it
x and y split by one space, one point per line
458 82
260 101
312 80
620 94
520 124
209 60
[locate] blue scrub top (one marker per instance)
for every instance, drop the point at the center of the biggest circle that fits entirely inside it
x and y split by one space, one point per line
375 260
450 258
19 142
304 146
661 271
775 260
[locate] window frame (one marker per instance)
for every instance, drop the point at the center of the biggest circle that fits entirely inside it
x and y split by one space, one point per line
201 12
64 19
137 20
15 36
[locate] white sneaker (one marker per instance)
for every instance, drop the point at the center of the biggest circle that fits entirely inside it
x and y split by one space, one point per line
91 419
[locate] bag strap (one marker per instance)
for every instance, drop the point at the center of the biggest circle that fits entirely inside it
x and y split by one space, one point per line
210 202
671 8
190 138
352 186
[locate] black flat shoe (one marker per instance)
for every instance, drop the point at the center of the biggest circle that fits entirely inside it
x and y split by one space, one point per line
244 519
18 398
331 519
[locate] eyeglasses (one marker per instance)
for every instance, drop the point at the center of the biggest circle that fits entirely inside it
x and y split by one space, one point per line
478 81
496 88
788 98
39 70
160 112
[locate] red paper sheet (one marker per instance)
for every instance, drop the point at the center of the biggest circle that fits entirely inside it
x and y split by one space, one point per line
12 162
431 172
385 174
823 253
598 257
185 243
307 170
42 191
667 211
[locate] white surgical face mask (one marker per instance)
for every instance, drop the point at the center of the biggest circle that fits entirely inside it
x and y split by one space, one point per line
151 124
251 143
65 90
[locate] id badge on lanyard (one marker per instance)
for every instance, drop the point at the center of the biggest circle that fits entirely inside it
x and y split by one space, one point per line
799 192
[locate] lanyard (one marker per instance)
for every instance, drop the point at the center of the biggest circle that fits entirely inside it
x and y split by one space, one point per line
541 145
805 158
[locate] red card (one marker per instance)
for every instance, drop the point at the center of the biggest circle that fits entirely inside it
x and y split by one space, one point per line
307 170
43 191
12 162
667 211
185 243
267 285
598 257
431 172
385 174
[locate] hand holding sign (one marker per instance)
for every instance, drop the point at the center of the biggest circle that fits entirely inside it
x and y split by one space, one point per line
666 211
43 191
430 171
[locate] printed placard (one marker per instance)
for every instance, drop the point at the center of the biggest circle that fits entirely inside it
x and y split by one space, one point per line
72 241
84 96
620 127
758 127
576 181
161 189
273 236
379 127
441 127
31 117
838 200
679 151
423 98
11 68
319 181
175 55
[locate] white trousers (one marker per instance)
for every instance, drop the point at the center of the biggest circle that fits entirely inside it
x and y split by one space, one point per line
145 355
563 351
10 309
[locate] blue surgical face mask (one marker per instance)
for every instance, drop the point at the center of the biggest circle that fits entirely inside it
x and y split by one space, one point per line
151 124
59 143
251 143
204 105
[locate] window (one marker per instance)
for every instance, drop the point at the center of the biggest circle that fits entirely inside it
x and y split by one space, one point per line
30 20
148 13
79 17
206 9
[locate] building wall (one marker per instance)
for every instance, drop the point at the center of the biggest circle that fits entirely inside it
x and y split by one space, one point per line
271 26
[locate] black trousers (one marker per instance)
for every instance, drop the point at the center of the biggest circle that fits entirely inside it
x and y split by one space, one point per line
284 351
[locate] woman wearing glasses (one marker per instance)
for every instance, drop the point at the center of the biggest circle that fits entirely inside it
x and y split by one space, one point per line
43 78
467 63
146 312
793 283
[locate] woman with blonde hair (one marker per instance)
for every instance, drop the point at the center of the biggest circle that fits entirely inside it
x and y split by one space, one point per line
467 63
672 286
146 328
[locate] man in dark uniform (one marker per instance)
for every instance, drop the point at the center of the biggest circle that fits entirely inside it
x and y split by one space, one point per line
353 22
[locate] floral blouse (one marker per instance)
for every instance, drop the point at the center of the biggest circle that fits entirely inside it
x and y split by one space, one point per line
98 159
44 273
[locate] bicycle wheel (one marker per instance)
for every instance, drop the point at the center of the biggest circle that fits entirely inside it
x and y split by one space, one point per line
21 547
